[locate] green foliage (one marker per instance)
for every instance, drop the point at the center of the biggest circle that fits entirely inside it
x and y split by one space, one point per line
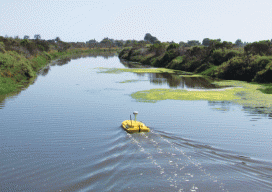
168 56
158 48
42 45
260 48
182 44
148 37
2 47
264 75
196 51
124 53
209 71
266 90
206 42
193 43
57 39
220 55
239 43
218 59
37 36
239 68
172 46
24 42
175 63
7 85
15 65
217 44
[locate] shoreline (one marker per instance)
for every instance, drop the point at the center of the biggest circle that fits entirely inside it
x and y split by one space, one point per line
17 71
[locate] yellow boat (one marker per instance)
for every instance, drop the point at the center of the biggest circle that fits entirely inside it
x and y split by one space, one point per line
133 126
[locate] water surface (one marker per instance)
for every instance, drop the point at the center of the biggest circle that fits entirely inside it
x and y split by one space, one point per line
63 133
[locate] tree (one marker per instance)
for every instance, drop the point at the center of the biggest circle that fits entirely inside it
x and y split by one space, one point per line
182 43
57 39
206 42
150 38
106 42
193 43
239 43
37 36
26 37
119 43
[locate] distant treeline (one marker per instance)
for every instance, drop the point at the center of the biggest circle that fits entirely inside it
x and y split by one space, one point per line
224 60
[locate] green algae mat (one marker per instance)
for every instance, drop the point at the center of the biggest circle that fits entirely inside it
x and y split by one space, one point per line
154 95
135 70
243 93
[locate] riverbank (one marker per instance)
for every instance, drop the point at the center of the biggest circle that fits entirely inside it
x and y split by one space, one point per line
250 67
18 70
223 60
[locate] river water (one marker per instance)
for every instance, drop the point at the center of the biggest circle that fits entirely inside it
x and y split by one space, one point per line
63 133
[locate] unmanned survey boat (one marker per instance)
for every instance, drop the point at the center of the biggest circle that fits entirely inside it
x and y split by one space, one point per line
133 126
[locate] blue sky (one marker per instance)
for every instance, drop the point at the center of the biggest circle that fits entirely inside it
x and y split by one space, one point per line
177 20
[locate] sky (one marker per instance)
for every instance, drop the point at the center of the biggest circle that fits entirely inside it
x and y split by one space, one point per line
168 20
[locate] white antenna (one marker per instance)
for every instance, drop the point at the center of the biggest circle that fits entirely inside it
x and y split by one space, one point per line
135 114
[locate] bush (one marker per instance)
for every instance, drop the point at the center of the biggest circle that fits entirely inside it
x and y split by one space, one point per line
260 48
15 65
175 63
235 68
238 68
2 47
158 48
220 56
172 46
265 75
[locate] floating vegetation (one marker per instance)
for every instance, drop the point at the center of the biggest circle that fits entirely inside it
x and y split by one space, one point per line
131 81
191 75
250 95
243 93
135 70
154 95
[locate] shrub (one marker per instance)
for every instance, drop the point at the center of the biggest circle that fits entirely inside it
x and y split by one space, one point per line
158 48
2 47
172 46
220 56
24 42
210 71
261 48
124 53
236 69
264 75
174 64
15 65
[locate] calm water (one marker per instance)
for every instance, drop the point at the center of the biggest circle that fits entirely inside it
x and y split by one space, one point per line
63 134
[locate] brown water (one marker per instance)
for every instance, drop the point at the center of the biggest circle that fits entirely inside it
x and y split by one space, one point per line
63 133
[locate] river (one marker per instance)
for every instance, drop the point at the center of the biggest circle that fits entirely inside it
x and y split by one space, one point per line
63 133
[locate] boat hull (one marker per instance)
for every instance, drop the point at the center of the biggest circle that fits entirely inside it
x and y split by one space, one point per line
134 126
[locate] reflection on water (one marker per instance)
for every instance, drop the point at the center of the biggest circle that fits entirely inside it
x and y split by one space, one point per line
24 86
131 64
176 81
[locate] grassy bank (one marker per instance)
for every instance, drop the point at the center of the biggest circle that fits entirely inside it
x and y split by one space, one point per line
224 60
20 60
